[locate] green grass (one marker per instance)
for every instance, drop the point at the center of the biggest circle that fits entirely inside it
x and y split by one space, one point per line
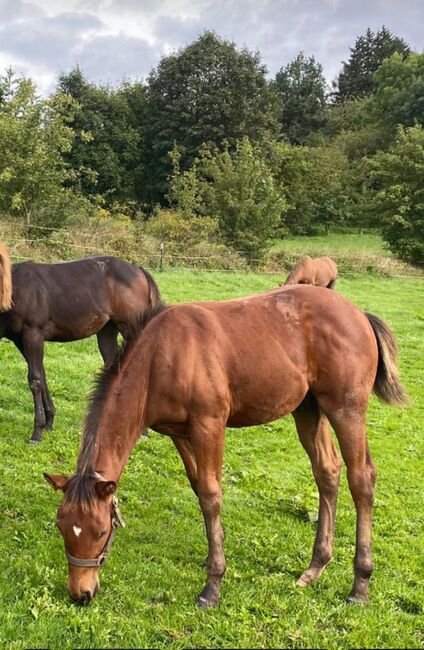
155 571
335 243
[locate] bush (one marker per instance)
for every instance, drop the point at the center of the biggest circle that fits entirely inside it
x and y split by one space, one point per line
171 226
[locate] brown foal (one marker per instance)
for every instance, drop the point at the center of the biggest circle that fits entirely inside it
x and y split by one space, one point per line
321 272
196 368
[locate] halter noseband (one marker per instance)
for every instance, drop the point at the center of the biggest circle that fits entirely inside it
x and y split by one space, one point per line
117 520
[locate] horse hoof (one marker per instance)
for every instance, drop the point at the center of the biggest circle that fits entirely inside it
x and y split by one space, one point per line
356 600
204 603
33 442
302 583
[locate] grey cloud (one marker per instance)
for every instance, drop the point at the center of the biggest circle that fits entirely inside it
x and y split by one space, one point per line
112 58
279 29
46 40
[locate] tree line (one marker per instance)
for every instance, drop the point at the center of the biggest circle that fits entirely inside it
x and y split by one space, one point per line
210 147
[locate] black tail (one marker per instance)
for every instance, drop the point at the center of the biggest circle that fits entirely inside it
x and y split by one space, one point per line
387 384
154 293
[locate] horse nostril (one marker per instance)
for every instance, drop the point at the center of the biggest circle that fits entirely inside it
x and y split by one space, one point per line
84 599
87 597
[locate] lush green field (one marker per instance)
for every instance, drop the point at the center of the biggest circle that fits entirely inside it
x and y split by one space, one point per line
334 243
154 573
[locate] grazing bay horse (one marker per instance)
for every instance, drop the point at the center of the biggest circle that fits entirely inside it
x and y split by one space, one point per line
67 302
321 272
195 369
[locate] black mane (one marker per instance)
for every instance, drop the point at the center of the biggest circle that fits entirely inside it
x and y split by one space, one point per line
80 487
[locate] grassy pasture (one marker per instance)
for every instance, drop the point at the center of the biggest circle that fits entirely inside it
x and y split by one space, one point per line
154 572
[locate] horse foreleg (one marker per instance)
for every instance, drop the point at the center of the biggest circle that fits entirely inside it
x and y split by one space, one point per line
315 436
33 351
208 448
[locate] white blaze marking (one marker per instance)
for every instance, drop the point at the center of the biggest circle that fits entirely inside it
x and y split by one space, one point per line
77 530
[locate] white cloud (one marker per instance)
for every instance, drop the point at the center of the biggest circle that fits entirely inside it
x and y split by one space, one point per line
112 39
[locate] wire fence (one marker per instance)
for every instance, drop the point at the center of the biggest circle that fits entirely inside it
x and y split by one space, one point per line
166 256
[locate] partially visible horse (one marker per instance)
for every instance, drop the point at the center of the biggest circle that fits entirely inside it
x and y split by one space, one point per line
321 272
67 302
197 368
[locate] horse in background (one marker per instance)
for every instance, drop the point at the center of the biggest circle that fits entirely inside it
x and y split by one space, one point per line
69 301
321 272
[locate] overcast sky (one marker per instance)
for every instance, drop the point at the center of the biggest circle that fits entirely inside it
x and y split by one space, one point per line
113 39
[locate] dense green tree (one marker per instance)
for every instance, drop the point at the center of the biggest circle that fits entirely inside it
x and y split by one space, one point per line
236 188
34 137
207 92
313 180
106 153
301 87
239 190
399 96
396 198
356 78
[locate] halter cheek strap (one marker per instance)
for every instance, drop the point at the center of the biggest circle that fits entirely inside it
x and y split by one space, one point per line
117 520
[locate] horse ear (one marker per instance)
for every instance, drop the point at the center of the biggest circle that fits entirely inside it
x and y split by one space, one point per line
105 488
56 480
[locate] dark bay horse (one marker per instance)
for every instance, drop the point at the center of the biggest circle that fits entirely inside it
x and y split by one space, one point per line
321 272
197 368
67 302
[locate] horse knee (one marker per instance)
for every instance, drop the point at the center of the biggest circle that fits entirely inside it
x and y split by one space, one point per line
210 495
328 476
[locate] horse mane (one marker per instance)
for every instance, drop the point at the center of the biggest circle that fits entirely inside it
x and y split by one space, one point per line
80 487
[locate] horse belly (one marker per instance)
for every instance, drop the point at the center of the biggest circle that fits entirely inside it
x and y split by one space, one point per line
77 329
267 397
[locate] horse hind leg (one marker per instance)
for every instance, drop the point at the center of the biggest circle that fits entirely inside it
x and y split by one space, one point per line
349 425
107 340
315 436
49 408
33 351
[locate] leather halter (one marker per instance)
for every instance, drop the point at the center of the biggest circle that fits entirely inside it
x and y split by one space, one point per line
117 520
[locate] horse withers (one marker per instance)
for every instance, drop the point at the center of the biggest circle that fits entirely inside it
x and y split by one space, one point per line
321 272
67 302
197 368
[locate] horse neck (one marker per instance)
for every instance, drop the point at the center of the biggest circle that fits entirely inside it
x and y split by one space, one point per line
121 421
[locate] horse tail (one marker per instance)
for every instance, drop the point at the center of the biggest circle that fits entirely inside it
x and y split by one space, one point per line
154 293
387 384
5 279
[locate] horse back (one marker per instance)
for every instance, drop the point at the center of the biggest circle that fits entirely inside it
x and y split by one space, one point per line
256 358
72 300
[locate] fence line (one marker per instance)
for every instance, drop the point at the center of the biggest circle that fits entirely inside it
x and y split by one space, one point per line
165 258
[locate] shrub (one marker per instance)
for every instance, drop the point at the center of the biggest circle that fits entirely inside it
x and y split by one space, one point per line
171 226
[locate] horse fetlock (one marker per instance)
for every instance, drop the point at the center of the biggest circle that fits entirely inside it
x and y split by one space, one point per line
363 569
211 593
